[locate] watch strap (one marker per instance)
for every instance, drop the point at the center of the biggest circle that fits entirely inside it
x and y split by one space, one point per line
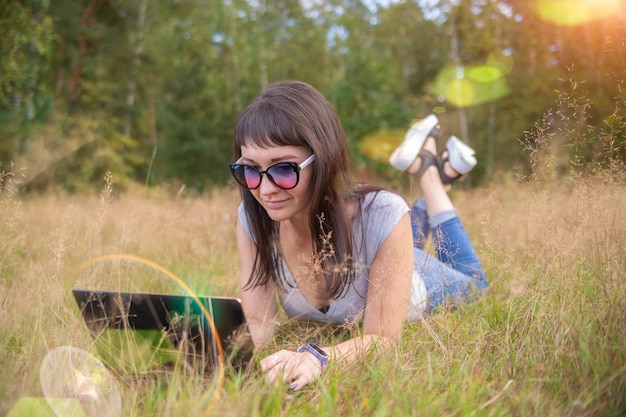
316 351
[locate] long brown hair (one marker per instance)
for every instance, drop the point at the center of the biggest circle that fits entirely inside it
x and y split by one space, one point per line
294 113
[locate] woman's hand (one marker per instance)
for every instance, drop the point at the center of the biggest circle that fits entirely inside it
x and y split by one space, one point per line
295 369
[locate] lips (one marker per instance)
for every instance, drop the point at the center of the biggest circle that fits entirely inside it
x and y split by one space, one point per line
274 205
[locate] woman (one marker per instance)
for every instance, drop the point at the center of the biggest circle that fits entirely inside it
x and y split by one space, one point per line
334 250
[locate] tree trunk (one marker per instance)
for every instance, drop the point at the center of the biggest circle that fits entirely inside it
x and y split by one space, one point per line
93 8
134 71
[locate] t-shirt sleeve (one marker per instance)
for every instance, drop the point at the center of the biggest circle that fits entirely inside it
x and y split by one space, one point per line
243 219
381 213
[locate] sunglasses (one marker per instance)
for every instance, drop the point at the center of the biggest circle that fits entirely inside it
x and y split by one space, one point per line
284 175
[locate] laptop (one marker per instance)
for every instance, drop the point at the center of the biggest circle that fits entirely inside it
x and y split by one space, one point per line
138 332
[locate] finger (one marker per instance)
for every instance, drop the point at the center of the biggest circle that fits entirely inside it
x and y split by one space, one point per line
299 371
291 367
270 361
298 383
274 374
275 366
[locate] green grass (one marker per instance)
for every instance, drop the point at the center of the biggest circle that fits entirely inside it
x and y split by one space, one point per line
548 340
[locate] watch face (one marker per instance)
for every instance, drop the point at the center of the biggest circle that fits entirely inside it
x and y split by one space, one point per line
318 349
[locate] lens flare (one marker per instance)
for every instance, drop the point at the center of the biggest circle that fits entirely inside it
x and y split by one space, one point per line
190 292
379 146
69 375
576 12
466 86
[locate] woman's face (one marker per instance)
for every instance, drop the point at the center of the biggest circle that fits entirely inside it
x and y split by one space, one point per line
281 204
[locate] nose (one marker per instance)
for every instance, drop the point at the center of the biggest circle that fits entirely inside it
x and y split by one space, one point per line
267 186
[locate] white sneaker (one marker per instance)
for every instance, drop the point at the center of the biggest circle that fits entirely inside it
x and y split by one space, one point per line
460 156
414 139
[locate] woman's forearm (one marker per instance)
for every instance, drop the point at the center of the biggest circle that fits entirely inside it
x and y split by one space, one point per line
353 349
262 331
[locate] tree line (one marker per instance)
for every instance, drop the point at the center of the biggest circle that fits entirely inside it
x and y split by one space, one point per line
151 90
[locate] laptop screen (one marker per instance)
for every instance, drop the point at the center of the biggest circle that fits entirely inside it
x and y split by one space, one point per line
134 332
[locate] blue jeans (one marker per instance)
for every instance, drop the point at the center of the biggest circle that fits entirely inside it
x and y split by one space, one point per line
456 273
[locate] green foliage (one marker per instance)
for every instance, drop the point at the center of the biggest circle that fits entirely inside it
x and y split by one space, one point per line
196 114
172 76
26 44
81 155
25 48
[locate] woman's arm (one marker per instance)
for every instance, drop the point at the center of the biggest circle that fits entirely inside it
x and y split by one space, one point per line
390 282
259 303
386 307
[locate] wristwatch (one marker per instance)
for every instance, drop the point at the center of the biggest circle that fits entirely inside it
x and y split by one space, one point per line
316 351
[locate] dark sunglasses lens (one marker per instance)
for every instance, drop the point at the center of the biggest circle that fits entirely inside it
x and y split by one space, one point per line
284 175
246 176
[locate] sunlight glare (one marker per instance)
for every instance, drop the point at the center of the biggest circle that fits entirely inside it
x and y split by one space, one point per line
576 12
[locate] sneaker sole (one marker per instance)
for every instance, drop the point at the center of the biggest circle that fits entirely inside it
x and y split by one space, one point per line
460 155
414 139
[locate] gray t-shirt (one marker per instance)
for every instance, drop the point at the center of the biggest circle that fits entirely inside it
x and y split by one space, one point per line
381 211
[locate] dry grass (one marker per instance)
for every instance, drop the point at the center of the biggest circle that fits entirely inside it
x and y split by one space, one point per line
548 340
46 251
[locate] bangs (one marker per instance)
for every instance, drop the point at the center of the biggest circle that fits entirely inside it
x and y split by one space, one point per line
264 125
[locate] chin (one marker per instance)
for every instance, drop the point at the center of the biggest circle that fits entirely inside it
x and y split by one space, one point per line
277 216
280 215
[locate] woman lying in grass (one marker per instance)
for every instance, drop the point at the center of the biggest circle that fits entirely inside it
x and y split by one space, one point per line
334 250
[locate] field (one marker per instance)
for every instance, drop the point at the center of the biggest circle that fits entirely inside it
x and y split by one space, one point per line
548 340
